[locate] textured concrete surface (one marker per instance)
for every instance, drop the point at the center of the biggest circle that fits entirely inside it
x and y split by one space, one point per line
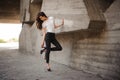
19 66
29 10
101 53
95 50
73 11
10 11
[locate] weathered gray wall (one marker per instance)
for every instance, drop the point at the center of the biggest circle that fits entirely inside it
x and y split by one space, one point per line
29 40
86 46
73 11
29 10
76 18
100 55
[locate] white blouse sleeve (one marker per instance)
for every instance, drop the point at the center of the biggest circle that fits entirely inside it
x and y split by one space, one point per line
43 25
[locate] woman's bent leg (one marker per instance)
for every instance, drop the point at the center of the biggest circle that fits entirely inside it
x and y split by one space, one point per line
57 47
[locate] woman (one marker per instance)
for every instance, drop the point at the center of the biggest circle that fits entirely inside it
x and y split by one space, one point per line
47 25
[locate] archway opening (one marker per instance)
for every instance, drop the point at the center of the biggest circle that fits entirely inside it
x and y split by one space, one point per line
10 25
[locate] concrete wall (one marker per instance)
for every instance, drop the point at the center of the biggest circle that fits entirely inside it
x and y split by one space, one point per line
73 11
29 10
24 10
86 48
100 54
29 40
76 18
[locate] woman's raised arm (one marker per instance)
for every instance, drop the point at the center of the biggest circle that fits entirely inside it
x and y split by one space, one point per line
56 26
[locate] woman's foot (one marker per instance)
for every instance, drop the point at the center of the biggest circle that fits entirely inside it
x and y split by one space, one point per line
48 67
41 51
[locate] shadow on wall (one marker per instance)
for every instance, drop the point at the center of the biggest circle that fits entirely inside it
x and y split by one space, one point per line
96 29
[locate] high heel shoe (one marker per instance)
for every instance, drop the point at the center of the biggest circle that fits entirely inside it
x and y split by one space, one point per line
41 51
49 70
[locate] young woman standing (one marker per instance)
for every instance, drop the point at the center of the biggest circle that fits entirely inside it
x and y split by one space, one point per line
47 25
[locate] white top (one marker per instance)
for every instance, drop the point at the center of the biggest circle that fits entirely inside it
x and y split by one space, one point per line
49 25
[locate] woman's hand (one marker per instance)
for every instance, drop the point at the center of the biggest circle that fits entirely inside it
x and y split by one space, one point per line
62 21
42 45
56 26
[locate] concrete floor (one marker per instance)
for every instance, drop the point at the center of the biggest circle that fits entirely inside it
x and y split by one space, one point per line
19 66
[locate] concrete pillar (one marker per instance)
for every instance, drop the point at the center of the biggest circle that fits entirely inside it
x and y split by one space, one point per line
29 34
25 39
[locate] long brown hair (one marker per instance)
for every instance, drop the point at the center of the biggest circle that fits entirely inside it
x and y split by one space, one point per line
39 21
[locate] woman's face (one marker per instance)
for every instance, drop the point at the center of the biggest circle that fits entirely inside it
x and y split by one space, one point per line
42 18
